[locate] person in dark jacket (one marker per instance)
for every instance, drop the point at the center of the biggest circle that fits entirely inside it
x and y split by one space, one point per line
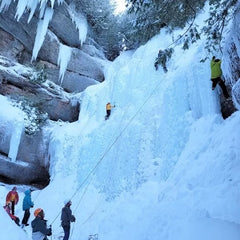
216 73
39 226
12 198
27 204
162 60
67 218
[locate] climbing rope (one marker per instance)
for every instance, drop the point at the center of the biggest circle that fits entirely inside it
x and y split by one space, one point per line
189 27
116 139
105 153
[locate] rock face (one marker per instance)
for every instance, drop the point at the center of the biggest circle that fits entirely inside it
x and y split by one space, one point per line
33 149
22 173
47 100
232 55
84 69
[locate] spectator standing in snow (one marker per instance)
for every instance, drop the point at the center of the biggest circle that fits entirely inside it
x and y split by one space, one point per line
27 204
12 199
40 231
67 218
216 73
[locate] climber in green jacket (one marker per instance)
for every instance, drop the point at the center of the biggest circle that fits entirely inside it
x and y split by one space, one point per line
216 73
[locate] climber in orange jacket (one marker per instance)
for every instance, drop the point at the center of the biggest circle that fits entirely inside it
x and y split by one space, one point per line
12 198
108 110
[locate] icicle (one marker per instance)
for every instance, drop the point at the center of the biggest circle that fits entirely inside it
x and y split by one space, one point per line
81 24
21 6
32 8
42 9
60 2
41 32
51 1
64 57
5 4
15 140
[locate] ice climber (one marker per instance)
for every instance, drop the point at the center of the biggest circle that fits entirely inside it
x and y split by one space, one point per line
40 231
108 110
161 59
67 218
27 204
12 199
216 73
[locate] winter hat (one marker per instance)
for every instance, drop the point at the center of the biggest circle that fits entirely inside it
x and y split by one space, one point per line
37 211
66 201
14 188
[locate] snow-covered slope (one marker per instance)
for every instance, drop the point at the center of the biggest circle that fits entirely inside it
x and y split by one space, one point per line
164 166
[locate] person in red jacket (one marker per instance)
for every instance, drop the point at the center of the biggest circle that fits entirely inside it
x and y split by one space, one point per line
12 198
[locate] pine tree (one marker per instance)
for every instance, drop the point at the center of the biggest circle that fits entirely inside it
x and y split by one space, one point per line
148 17
220 14
105 26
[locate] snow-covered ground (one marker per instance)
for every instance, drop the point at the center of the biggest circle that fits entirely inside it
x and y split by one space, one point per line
164 166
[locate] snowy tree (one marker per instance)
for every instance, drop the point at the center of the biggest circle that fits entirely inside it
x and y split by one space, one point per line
148 17
105 26
220 14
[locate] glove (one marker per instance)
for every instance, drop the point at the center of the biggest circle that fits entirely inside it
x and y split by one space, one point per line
213 58
50 232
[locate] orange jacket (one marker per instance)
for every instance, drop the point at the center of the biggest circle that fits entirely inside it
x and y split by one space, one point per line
109 106
12 196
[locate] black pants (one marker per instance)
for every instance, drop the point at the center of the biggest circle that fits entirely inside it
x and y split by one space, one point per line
163 65
108 113
220 82
13 207
66 230
26 217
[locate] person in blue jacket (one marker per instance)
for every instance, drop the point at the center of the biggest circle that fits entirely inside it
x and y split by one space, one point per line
27 204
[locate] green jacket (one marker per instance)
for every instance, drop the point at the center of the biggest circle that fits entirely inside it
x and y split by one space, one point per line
216 70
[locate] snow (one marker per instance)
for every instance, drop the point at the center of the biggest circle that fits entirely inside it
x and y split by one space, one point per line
9 227
41 31
120 6
64 57
164 166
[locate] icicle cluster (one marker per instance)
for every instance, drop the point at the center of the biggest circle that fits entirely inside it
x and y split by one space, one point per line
46 11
